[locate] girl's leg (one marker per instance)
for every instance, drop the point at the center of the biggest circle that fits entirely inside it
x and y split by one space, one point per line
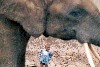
41 65
46 65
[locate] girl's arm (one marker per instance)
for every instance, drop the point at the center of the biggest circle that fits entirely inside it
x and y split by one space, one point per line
40 53
50 54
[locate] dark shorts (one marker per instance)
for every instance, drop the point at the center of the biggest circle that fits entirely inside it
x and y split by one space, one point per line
42 63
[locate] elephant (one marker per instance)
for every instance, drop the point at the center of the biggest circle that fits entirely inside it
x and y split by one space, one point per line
64 19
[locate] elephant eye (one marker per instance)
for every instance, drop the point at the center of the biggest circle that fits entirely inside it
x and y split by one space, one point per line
78 12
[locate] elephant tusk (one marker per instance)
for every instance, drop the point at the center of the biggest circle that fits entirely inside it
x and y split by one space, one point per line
88 54
94 53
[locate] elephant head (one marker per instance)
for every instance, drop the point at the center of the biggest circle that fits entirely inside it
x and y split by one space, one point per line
74 20
59 18
64 19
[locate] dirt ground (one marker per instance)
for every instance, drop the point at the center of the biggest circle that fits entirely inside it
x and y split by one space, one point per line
65 53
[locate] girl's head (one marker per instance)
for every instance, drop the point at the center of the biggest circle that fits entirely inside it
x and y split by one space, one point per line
47 47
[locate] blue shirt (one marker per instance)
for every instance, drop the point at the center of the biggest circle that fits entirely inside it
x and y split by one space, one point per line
45 56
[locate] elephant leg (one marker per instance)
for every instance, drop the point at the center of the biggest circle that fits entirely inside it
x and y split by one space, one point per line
13 41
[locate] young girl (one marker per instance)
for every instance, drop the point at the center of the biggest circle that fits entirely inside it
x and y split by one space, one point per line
45 56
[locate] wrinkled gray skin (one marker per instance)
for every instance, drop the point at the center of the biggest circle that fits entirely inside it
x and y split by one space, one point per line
64 19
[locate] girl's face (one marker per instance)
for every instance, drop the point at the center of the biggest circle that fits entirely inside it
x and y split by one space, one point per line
47 47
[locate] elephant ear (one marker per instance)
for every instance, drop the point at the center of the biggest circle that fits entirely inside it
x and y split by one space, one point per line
29 14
